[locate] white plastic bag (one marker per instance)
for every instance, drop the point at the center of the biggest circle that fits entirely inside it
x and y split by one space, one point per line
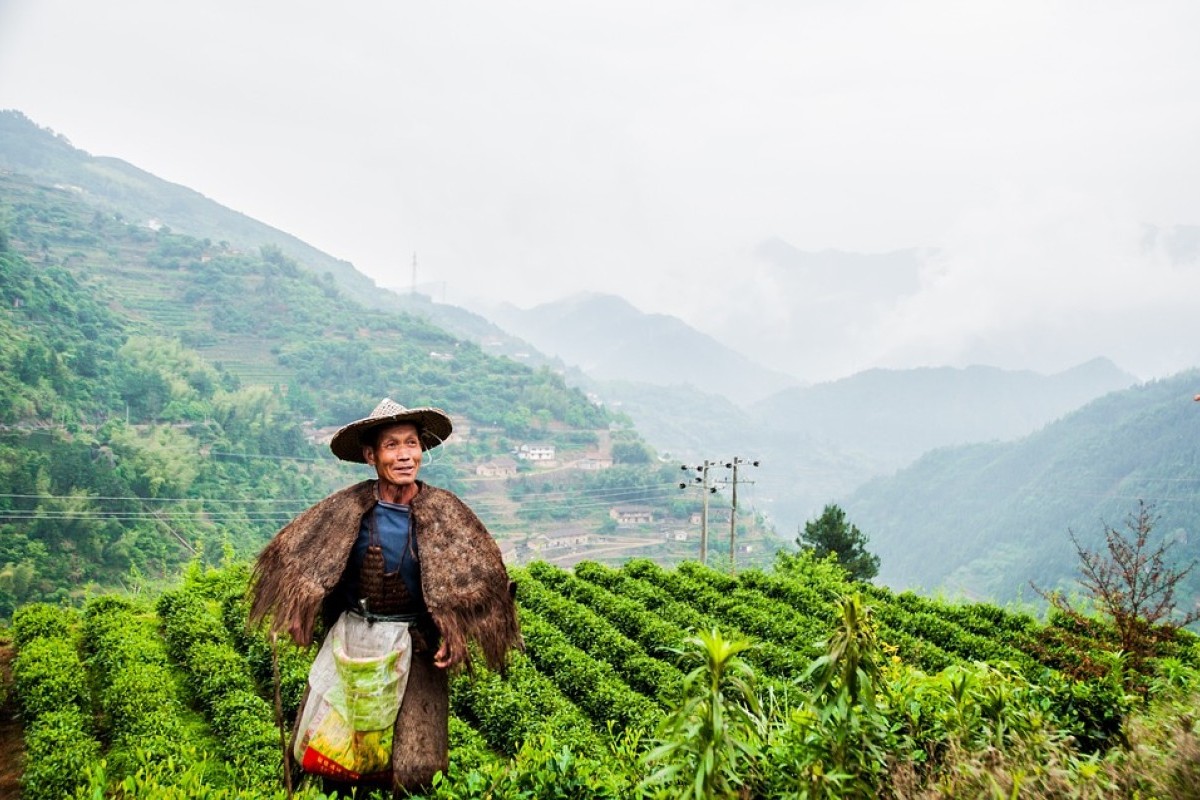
356 684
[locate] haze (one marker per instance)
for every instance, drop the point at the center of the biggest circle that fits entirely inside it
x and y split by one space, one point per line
529 150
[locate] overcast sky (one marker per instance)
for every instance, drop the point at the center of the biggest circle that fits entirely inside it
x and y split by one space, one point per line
528 150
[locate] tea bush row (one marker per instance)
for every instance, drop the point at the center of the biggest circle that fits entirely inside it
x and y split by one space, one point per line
221 681
255 646
591 684
137 693
510 710
791 588
649 630
50 686
737 608
590 631
778 666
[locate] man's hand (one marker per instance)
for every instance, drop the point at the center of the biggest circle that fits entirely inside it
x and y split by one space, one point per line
445 657
299 635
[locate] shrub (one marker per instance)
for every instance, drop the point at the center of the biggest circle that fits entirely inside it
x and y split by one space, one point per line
41 621
47 675
58 752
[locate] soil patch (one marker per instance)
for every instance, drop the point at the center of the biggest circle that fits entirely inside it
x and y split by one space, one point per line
12 737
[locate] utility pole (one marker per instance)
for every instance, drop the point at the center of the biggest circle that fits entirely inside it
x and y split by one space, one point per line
414 277
706 490
734 464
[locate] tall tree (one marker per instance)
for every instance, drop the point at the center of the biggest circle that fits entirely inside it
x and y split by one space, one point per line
831 533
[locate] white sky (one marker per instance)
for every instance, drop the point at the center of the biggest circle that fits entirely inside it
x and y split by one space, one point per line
527 150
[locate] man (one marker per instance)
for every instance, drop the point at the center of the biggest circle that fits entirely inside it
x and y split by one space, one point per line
395 548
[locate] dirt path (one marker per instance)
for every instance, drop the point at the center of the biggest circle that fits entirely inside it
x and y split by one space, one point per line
12 740
595 552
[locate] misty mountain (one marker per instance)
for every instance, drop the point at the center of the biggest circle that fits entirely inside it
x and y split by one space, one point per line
807 313
832 276
984 520
139 364
893 416
114 186
822 442
472 327
141 198
682 388
828 314
607 338
1179 243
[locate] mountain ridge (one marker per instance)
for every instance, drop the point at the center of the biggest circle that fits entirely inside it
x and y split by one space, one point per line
135 193
608 338
968 519
898 414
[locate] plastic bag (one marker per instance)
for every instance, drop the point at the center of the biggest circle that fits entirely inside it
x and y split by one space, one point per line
356 684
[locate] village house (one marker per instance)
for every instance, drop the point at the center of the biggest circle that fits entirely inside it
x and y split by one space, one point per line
593 461
536 452
632 515
559 540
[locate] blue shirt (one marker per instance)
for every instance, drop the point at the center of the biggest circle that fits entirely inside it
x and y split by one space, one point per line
393 524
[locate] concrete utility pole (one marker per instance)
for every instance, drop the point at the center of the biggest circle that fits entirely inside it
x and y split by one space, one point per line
734 464
706 490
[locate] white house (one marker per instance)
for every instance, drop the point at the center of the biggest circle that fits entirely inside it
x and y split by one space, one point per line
632 515
536 452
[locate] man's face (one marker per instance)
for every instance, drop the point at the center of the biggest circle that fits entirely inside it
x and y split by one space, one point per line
396 455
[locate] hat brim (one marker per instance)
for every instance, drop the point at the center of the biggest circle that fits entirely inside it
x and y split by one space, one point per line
433 426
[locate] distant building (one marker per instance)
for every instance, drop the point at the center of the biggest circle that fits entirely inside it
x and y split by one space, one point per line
559 540
593 461
632 515
536 452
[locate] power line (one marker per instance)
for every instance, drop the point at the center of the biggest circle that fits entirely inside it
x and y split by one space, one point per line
558 494
283 509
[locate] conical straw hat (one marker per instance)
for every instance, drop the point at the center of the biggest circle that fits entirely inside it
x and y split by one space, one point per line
432 423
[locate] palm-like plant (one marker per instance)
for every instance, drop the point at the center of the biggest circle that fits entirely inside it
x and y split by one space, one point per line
706 745
852 662
834 744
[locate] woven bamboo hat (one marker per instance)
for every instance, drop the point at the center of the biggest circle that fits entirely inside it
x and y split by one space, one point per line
433 426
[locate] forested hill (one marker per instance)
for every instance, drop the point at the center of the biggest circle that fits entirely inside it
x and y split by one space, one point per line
985 519
162 394
117 187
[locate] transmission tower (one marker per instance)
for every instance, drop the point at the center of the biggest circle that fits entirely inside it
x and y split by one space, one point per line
733 465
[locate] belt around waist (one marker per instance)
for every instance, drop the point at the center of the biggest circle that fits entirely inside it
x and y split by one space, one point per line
372 618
